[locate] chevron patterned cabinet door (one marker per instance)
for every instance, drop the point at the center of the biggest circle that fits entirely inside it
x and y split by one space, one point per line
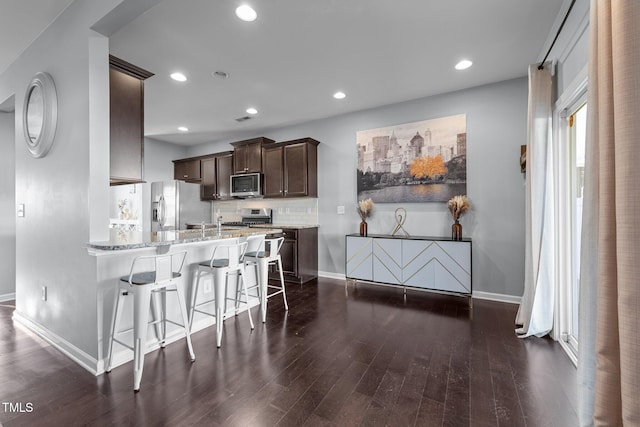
359 258
437 264
387 261
418 263
453 272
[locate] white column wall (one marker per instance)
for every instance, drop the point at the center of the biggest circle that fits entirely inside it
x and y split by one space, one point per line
7 207
65 192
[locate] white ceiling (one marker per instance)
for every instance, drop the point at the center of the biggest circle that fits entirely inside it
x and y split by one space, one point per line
290 61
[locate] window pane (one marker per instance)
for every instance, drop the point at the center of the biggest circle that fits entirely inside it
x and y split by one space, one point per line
578 126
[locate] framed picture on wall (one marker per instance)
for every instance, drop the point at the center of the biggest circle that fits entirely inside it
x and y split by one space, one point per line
416 162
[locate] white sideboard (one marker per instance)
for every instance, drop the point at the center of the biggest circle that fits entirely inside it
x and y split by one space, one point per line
417 262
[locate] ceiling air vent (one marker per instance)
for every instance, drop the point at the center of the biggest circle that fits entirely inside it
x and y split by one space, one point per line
242 119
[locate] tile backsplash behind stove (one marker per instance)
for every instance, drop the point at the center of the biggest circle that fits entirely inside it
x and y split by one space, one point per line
302 211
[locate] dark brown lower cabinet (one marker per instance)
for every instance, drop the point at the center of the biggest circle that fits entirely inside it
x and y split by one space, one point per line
299 255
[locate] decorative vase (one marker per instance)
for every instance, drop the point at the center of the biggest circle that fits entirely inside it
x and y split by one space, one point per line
363 228
456 231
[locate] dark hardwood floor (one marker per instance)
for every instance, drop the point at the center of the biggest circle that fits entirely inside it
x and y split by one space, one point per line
371 358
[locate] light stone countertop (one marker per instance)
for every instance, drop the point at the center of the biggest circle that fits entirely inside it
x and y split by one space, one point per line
123 240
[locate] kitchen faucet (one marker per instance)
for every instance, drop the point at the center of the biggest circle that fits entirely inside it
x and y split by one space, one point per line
219 223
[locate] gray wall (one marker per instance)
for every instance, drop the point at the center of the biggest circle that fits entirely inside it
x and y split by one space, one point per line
496 127
158 156
7 207
158 166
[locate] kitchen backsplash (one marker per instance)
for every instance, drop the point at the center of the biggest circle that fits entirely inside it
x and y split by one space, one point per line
298 211
302 211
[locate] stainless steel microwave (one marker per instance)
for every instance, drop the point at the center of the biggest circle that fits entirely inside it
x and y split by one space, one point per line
246 185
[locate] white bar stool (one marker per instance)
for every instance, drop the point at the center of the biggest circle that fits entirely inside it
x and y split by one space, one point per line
144 286
267 254
254 245
225 260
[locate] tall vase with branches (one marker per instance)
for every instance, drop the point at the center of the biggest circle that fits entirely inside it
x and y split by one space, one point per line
458 206
364 208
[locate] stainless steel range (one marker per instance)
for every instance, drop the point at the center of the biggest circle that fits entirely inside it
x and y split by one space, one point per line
251 217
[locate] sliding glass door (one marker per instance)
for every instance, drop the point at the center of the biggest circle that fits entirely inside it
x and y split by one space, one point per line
577 139
570 129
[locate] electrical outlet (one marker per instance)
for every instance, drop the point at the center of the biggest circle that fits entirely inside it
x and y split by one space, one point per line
44 293
21 210
207 286
340 210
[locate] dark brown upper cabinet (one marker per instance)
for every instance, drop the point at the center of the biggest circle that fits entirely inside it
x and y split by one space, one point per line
216 173
247 155
187 170
126 121
291 168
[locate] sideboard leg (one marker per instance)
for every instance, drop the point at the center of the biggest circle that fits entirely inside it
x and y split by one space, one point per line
346 284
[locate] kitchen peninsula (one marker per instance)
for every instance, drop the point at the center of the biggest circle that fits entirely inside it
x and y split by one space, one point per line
126 240
115 256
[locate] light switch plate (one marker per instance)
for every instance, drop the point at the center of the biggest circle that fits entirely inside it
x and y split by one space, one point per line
21 210
340 210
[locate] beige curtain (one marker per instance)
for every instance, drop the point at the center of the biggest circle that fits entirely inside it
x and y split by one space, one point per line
612 213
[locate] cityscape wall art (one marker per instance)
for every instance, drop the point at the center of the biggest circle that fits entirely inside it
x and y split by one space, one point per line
416 162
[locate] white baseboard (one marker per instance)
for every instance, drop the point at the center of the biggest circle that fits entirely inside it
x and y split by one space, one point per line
121 355
96 367
7 297
329 275
83 359
511 299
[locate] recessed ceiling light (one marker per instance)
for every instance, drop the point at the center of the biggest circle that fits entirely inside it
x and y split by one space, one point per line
220 74
179 77
464 64
246 13
183 129
252 110
339 95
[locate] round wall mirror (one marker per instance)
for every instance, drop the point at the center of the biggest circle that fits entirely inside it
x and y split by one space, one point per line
40 114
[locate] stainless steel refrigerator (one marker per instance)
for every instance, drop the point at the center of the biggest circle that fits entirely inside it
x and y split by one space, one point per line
176 203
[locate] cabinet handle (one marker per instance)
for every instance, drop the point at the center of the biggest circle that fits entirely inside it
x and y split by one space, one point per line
185 176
